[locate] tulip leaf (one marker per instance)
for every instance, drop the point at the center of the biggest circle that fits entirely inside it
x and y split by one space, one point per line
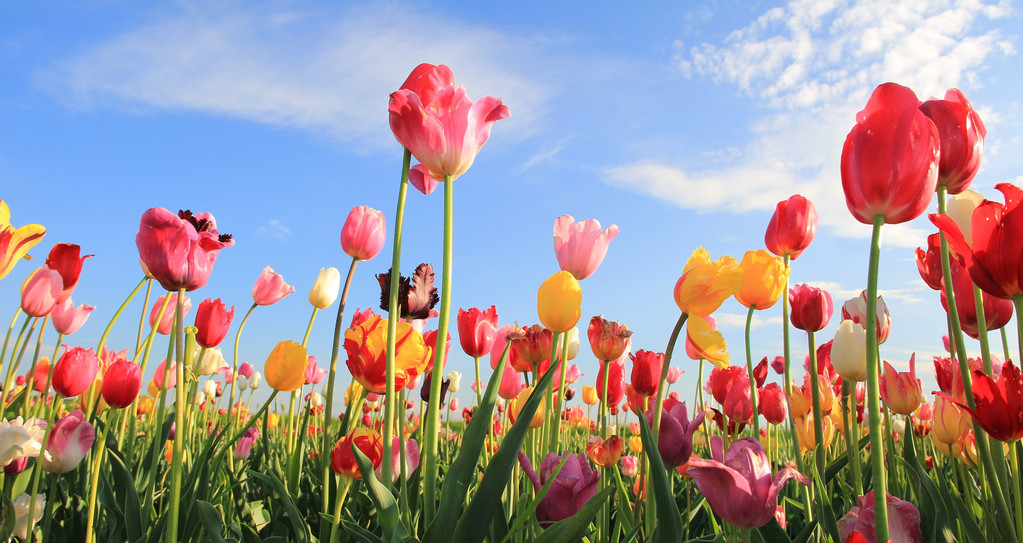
357 533
475 521
521 520
460 473
212 520
972 531
840 462
934 512
772 532
808 530
669 519
386 507
299 529
124 484
827 513
7 518
574 527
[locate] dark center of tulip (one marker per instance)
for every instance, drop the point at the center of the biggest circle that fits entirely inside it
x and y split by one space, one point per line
201 225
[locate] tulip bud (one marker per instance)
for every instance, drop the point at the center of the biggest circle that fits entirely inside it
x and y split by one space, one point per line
363 234
849 351
255 380
559 301
456 380
792 227
270 288
121 383
213 320
40 291
210 389
75 371
326 288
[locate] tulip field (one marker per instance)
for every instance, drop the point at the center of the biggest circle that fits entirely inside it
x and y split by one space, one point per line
164 440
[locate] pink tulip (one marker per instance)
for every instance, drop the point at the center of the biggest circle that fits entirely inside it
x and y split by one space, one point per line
411 459
180 250
778 365
75 371
270 288
477 330
66 260
901 391
40 291
630 466
313 374
738 483
167 320
674 374
453 404
172 377
67 319
511 383
245 369
580 247
419 177
70 440
903 521
438 123
364 232
244 447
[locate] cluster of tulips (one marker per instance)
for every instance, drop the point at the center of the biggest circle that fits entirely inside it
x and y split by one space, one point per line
92 452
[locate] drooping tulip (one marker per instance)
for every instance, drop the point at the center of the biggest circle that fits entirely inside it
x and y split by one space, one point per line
342 459
75 371
675 439
704 284
179 250
121 383
366 345
928 262
574 485
364 233
706 342
792 227
477 330
70 440
15 242
558 302
166 323
962 136
999 404
438 123
66 259
325 290
581 246
890 158
40 291
903 521
764 277
285 366
811 308
67 318
608 339
270 288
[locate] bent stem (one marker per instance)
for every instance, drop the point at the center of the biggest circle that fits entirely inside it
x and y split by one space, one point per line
878 473
394 311
234 369
749 370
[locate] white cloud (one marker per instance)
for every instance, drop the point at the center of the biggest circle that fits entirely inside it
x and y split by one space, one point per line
811 65
735 320
273 229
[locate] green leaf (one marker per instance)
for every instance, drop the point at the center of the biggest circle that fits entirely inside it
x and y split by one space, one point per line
934 514
827 517
669 523
300 531
574 527
772 532
387 508
7 518
212 520
124 485
805 534
836 465
521 520
357 533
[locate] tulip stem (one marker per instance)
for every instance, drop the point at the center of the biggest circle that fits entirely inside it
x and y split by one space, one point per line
430 485
142 317
749 370
787 352
550 415
117 315
234 370
479 396
818 423
15 358
393 312
650 500
184 358
851 434
880 481
38 466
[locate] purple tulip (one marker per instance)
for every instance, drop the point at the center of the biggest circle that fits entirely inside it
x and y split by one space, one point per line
675 440
574 486
738 483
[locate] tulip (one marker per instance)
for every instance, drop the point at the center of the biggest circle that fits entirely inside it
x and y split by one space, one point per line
890 158
721 380
246 369
285 367
531 346
738 404
949 421
999 404
212 320
515 408
573 345
615 382
326 288
629 466
15 242
574 485
580 247
901 390
20 439
313 375
605 452
411 459
67 318
243 449
270 288
675 439
771 403
20 513
674 374
342 459
608 340
430 338
778 365
738 483
590 396
363 234
928 263
66 259
456 380
255 380
807 435
960 209
211 362
180 250
855 309
997 311
69 441
811 308
558 302
416 295
705 341
511 383
241 383
903 521
75 371
962 136
646 371
209 389
166 323
40 291
438 123
366 345
477 330
764 277
121 383
849 351
692 351
792 227
705 285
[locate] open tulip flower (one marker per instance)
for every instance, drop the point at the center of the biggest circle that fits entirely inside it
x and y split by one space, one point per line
70 439
999 404
706 284
15 242
605 452
608 339
903 521
270 288
66 259
342 458
581 246
574 485
179 250
366 345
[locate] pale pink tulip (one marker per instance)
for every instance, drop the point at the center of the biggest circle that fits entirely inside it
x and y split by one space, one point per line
313 374
270 288
67 318
411 459
903 521
580 247
167 320
70 440
674 374
40 291
364 232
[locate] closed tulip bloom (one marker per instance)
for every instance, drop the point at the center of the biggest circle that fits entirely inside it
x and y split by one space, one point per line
962 136
67 318
411 455
855 309
531 346
675 440
179 250
811 308
608 339
590 395
246 369
456 380
75 371
558 302
646 371
805 430
849 351
121 383
516 405
890 158
903 521
705 285
511 383
366 345
605 453
581 246
270 288
255 381
792 227
438 122
721 380
999 404
285 367
15 242
997 311
477 330
70 440
928 262
212 320
738 404
364 232
764 277
574 485
313 374
326 288
342 459
949 421
901 391
166 323
573 345
706 342
211 362
629 466
738 483
674 374
157 383
615 382
243 449
40 291
771 403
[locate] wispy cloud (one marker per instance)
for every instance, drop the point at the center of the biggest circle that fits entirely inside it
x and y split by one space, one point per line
735 320
273 229
811 65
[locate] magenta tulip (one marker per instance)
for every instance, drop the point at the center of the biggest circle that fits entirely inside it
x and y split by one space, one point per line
313 374
903 521
675 440
575 484
270 288
364 232
67 318
179 250
962 139
69 441
75 371
792 227
581 246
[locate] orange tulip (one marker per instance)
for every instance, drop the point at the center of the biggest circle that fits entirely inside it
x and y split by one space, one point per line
366 344
705 285
342 459
590 395
516 408
763 279
285 367
605 453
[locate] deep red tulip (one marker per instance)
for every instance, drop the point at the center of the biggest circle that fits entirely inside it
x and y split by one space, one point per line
213 320
75 371
929 262
646 371
180 250
615 382
999 403
997 311
121 383
364 232
771 403
477 330
811 308
66 259
962 139
721 380
608 339
760 372
890 158
792 227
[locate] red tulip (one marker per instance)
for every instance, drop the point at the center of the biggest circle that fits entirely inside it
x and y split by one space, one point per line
438 123
121 383
771 403
213 320
364 232
997 311
342 459
180 250
476 330
890 158
75 371
738 404
531 345
270 288
792 227
811 308
901 391
581 246
646 371
66 259
721 380
962 136
615 382
608 339
929 262
999 403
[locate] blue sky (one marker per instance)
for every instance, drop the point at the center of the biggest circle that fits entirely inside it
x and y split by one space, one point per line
682 123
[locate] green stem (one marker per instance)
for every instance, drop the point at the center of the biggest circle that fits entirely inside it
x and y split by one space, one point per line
649 517
38 467
556 430
234 369
142 317
880 482
550 427
818 423
117 315
184 357
749 370
797 451
97 461
479 394
309 328
13 364
852 434
392 324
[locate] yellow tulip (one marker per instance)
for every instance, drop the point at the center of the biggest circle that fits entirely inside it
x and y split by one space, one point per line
559 301
145 405
705 285
15 242
764 277
807 435
590 395
516 408
707 342
285 367
636 444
